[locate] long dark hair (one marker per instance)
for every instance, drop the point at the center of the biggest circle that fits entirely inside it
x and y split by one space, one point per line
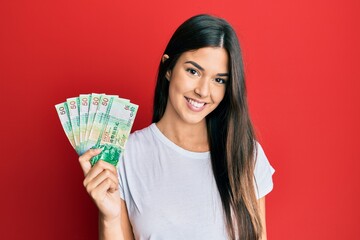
231 135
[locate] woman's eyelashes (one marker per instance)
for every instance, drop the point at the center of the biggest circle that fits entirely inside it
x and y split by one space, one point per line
193 71
220 80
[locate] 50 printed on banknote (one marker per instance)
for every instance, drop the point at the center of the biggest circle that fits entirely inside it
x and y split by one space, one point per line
97 121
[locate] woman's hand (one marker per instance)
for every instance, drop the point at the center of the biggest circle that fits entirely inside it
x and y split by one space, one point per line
102 184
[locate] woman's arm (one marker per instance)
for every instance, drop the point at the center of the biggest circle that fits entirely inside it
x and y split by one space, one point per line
107 230
125 223
101 182
263 218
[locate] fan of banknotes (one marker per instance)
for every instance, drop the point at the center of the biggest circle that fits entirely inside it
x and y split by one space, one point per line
97 121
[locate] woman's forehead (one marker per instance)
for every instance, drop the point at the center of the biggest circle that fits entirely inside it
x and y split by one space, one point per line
209 58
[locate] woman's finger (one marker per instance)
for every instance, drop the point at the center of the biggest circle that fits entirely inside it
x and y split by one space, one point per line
99 193
100 178
84 159
99 167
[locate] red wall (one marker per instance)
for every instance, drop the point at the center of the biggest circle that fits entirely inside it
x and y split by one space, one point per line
302 65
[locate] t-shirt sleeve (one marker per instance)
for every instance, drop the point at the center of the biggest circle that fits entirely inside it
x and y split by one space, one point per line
263 173
121 175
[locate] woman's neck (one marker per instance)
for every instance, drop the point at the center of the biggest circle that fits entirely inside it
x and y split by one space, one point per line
191 137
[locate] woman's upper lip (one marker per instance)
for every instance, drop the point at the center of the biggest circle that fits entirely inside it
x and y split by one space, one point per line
196 100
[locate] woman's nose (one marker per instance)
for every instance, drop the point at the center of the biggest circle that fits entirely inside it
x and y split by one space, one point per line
202 88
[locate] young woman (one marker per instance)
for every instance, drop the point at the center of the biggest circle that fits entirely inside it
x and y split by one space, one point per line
197 171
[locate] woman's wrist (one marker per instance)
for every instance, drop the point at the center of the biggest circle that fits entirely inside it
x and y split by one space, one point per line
109 220
110 228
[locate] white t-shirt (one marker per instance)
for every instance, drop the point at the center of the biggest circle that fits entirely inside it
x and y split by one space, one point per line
171 193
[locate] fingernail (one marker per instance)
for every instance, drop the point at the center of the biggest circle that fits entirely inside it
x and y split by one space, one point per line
98 150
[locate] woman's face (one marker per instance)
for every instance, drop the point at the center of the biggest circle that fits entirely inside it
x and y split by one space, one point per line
197 84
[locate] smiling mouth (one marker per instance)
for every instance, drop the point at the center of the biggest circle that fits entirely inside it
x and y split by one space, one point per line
194 103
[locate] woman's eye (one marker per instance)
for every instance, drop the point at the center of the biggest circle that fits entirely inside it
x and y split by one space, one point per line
192 71
220 80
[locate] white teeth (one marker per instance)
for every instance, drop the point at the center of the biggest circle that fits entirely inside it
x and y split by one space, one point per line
196 104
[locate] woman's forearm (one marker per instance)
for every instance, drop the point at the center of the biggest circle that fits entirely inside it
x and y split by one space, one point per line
110 230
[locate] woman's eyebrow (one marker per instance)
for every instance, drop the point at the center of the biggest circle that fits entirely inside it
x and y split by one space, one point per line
196 65
222 74
202 69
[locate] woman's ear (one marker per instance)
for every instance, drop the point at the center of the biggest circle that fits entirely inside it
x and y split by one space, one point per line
168 75
168 72
164 58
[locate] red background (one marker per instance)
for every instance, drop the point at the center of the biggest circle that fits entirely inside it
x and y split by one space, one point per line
302 65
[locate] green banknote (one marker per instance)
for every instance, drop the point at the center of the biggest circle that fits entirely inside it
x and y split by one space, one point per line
94 104
98 121
73 106
84 100
96 100
63 113
115 130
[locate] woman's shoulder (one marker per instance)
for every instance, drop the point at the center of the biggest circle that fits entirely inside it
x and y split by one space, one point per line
263 172
140 149
142 134
141 139
261 158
